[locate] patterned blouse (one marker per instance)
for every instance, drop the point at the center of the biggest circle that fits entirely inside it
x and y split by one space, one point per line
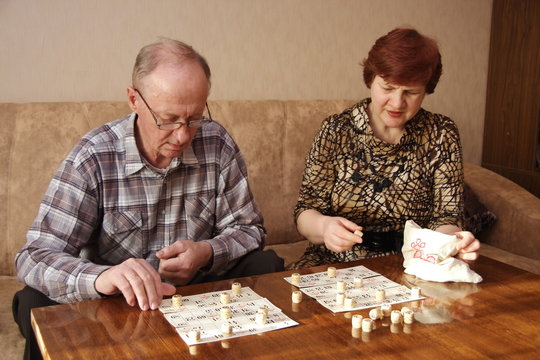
353 174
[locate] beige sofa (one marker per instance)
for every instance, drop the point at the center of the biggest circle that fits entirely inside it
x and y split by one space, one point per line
274 137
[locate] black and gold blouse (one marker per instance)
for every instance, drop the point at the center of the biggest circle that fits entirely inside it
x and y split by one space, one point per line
353 174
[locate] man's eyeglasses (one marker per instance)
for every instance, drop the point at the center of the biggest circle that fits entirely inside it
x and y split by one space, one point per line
176 125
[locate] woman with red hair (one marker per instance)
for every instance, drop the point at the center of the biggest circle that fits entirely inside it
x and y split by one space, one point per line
384 161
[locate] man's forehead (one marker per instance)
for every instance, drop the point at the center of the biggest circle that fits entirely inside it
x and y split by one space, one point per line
175 72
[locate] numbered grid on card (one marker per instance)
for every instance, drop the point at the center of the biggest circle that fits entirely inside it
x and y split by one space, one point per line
208 299
202 312
322 278
324 289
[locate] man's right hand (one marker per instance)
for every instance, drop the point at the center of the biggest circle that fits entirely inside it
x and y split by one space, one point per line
137 280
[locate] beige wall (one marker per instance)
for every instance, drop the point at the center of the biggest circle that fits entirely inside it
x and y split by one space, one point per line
74 50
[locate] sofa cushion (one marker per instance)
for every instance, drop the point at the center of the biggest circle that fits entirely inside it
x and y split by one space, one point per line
11 340
477 217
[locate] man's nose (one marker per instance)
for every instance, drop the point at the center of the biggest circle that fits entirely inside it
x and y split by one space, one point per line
182 134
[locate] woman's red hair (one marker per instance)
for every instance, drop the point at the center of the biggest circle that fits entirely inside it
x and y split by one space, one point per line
404 57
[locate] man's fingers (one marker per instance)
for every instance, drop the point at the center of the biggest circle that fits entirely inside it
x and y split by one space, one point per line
150 285
168 289
172 250
137 281
124 286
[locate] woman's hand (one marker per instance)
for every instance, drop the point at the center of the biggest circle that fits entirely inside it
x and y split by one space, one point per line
340 234
467 246
336 233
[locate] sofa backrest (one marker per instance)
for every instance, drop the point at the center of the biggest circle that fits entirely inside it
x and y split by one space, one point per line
273 135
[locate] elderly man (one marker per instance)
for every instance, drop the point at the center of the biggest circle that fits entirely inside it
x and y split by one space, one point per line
152 200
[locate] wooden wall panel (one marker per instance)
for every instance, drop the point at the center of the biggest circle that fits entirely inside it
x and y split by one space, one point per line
511 127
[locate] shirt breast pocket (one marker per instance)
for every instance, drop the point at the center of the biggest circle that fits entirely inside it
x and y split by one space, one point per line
201 217
123 234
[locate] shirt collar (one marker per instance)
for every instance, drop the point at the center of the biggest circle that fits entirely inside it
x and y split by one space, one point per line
134 161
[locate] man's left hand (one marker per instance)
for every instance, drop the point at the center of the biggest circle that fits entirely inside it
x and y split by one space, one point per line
180 261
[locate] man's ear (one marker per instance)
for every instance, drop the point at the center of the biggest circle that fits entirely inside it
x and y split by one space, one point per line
131 94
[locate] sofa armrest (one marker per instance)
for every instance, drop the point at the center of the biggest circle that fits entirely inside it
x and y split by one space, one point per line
517 227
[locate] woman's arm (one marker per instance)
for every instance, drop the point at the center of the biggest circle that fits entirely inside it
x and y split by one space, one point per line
335 232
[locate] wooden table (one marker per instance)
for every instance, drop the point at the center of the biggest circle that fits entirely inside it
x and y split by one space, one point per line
498 318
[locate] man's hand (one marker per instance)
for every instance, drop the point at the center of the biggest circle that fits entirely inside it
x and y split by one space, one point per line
340 234
137 280
180 261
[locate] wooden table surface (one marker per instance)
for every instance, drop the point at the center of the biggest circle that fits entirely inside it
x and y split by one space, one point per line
498 318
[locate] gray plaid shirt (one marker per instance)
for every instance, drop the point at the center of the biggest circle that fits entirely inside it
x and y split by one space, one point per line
105 204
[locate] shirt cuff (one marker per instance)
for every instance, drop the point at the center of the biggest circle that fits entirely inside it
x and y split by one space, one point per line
86 282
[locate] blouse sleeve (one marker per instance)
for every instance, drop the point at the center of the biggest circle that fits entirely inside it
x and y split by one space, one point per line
448 178
319 175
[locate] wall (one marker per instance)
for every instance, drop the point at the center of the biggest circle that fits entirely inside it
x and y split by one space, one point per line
75 50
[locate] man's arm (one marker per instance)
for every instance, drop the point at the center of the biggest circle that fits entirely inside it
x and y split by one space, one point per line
239 222
49 261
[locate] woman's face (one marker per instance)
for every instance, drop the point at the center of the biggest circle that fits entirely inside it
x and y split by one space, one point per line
393 105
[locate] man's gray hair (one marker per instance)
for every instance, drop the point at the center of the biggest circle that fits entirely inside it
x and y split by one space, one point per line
164 51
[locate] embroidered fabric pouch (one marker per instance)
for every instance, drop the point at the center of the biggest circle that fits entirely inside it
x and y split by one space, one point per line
429 255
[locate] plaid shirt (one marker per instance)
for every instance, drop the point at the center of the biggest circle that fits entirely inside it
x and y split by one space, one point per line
105 204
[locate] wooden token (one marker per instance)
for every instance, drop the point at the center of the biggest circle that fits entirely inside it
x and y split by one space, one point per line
261 318
341 286
226 329
195 335
225 298
404 309
375 314
296 296
226 312
386 309
263 310
367 325
408 317
295 278
331 272
380 295
236 288
395 317
356 321
177 300
340 299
